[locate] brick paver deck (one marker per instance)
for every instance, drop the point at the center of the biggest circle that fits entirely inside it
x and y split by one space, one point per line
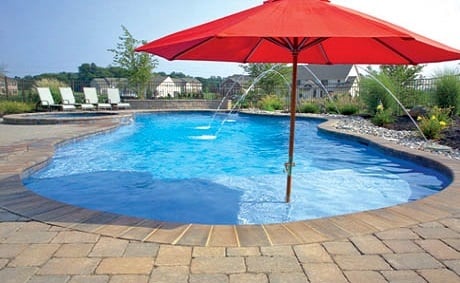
46 241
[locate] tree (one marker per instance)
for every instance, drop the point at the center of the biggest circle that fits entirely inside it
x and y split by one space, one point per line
177 75
402 74
88 72
139 66
273 76
400 77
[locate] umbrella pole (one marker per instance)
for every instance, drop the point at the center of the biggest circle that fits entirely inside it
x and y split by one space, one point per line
290 162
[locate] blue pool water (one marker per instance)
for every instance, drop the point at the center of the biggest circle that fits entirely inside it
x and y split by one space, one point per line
172 167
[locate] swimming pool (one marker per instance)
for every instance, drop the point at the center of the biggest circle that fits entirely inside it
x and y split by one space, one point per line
173 167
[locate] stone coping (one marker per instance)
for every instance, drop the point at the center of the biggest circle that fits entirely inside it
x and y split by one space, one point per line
17 160
73 117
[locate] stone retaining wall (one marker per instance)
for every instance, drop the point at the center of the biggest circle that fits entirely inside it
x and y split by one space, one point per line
159 104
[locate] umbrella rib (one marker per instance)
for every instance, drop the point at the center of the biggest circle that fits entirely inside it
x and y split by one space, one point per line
304 44
395 51
253 50
191 48
317 41
326 58
280 42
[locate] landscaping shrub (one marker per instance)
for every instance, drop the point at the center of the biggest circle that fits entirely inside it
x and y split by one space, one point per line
383 118
331 107
448 91
310 107
348 109
13 107
372 94
343 104
271 103
437 120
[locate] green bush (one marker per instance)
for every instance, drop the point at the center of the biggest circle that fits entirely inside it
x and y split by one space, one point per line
348 109
342 103
271 103
331 107
310 107
448 91
437 120
13 107
431 128
372 94
382 116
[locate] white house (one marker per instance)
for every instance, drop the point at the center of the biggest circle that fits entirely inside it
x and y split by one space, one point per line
165 87
192 86
172 87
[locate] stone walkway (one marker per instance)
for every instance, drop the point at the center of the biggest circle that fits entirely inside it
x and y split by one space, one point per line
45 241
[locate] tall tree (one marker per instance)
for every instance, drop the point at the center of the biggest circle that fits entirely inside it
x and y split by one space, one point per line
400 77
139 66
401 74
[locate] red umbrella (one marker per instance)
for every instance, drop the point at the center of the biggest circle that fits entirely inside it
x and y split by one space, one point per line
300 31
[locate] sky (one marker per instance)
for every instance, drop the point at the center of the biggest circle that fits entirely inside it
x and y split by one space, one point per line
51 36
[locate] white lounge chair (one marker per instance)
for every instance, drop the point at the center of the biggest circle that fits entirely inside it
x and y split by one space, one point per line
91 97
47 101
69 99
114 99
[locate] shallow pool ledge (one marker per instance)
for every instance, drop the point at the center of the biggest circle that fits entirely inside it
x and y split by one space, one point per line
32 150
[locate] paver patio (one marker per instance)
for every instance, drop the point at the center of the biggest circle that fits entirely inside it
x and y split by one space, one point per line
46 241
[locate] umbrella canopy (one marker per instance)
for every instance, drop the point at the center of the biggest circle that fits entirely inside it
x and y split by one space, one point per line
305 31
322 33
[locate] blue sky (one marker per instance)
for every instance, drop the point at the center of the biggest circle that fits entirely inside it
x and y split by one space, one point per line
59 35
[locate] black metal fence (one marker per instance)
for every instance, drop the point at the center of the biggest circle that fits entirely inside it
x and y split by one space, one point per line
418 91
25 90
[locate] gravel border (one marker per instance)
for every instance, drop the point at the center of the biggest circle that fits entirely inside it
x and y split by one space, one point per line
411 139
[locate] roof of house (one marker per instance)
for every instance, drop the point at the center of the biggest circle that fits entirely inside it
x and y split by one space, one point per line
241 79
191 80
158 79
323 72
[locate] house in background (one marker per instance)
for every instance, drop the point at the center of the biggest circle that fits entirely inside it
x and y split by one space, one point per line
172 87
235 85
192 86
8 86
336 79
165 87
